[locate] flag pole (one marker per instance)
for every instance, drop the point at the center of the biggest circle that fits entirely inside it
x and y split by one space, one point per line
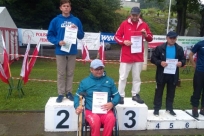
167 29
19 87
10 89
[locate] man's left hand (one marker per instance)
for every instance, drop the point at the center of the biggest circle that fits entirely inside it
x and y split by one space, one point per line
179 64
144 33
107 106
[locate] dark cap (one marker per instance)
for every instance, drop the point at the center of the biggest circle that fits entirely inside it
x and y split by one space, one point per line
172 34
135 10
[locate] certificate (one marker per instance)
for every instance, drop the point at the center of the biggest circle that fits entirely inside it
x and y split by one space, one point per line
70 35
136 46
171 66
66 47
99 99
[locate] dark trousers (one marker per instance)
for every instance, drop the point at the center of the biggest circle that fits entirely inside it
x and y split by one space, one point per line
198 89
169 81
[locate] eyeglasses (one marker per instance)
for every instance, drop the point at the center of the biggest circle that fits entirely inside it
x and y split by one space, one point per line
99 69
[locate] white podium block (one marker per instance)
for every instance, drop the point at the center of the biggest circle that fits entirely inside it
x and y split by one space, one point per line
166 121
132 115
60 116
200 119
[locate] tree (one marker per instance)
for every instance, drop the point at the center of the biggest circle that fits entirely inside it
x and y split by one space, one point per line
202 21
96 15
181 7
32 14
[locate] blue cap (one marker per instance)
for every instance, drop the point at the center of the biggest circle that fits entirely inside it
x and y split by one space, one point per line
135 10
96 63
172 34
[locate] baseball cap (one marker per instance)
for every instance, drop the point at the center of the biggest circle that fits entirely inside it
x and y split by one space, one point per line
135 10
172 34
96 63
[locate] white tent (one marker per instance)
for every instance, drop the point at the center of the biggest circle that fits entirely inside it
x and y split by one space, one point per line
10 32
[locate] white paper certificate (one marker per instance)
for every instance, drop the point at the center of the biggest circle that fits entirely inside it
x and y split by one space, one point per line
70 34
67 46
136 46
171 66
99 99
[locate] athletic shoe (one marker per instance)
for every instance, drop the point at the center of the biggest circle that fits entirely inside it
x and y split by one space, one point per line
59 98
195 112
70 96
156 113
171 112
137 99
202 111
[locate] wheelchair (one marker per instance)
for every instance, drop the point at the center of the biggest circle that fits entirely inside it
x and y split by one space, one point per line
85 125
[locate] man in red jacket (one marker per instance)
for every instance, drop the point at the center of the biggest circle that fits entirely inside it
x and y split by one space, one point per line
130 36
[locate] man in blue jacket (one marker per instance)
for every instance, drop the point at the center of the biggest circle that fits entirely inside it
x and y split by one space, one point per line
65 60
198 79
97 81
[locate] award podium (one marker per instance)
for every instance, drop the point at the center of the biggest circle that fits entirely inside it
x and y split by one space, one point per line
131 116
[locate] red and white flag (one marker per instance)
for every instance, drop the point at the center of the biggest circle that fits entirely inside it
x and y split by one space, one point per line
5 72
101 52
31 63
3 75
24 69
85 53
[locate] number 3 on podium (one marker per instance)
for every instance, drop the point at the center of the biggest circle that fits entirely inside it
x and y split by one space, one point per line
129 119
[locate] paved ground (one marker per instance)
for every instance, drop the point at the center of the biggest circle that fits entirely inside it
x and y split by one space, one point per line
32 124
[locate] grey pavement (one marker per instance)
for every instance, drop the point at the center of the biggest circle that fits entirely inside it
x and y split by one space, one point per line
32 124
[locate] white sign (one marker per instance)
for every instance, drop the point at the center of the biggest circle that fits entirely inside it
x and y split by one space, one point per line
99 99
136 46
66 47
91 39
35 36
171 66
70 35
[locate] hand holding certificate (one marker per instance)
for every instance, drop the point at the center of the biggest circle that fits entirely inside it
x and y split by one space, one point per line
70 34
136 40
70 37
171 66
99 99
67 46
136 46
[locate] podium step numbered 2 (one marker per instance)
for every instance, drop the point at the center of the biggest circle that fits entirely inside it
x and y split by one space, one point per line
131 116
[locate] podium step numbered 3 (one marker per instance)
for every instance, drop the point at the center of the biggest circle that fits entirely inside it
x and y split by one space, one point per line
131 116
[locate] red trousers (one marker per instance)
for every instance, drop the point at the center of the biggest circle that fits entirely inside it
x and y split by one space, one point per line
95 121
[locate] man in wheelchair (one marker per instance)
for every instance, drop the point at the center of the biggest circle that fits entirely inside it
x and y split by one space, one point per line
98 82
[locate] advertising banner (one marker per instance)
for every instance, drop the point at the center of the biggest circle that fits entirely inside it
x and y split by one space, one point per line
92 41
107 37
35 35
184 41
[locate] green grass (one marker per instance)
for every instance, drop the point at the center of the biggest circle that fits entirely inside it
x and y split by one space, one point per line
37 93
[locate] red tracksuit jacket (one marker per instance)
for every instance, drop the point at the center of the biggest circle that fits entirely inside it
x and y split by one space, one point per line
125 32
